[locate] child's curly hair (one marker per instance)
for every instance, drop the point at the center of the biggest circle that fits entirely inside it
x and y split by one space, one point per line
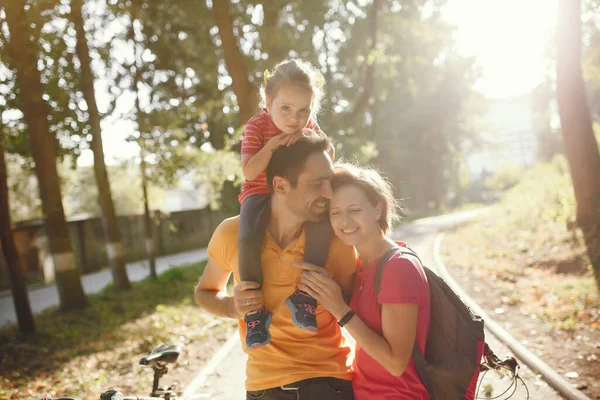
297 72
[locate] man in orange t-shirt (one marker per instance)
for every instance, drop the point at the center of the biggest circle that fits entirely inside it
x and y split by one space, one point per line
295 363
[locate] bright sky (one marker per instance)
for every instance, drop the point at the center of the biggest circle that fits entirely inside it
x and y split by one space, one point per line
509 39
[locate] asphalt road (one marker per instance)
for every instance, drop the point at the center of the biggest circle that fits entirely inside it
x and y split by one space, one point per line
44 297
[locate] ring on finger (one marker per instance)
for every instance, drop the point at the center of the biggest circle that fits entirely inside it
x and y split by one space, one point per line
248 301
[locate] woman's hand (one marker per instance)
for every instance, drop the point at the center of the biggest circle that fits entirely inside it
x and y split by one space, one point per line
316 282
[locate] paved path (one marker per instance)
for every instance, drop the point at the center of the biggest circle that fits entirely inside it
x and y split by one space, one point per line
45 297
224 377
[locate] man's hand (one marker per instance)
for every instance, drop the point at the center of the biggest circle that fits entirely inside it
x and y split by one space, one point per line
247 297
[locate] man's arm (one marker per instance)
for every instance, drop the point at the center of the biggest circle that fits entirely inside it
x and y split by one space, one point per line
344 262
211 293
347 285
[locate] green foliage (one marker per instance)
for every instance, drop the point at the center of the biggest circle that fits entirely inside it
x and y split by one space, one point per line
545 193
53 41
172 275
213 170
505 177
591 53
422 99
23 189
414 125
80 192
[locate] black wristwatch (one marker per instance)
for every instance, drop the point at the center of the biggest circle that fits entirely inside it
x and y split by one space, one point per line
346 318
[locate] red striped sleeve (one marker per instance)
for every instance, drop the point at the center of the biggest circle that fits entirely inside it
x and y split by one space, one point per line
254 133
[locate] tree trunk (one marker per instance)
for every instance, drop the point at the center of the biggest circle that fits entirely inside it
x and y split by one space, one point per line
150 247
24 56
271 41
245 92
18 286
112 234
149 240
362 104
581 147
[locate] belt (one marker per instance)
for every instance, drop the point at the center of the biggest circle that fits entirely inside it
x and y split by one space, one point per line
295 386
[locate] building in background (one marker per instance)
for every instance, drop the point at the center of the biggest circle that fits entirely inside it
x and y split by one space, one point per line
511 137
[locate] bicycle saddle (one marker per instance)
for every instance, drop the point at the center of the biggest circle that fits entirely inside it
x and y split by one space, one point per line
161 354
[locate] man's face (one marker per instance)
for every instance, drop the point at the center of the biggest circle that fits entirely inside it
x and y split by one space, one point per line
310 198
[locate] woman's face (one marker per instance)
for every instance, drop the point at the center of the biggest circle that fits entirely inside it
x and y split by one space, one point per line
353 218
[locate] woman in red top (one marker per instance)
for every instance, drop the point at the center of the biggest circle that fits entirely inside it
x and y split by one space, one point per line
385 326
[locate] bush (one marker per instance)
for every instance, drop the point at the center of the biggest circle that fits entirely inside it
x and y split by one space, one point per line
544 193
505 177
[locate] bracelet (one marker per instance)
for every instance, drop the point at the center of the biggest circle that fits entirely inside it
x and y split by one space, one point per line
346 318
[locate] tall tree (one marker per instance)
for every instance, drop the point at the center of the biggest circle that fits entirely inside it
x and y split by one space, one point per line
581 146
23 56
142 129
18 286
235 61
112 234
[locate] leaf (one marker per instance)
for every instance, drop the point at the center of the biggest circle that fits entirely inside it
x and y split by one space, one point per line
488 389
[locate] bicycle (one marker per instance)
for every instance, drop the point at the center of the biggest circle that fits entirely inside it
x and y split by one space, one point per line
158 359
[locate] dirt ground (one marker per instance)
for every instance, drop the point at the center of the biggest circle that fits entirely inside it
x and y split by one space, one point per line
85 352
573 353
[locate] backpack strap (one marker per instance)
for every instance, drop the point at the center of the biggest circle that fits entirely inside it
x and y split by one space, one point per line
421 367
385 258
417 354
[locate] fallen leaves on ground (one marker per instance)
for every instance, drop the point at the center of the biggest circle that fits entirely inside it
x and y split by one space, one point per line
82 354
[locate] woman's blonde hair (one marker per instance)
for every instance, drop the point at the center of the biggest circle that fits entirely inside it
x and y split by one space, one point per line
377 189
297 72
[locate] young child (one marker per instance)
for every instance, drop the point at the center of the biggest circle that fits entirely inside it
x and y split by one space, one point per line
292 95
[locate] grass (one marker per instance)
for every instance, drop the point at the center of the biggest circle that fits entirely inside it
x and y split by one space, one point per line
85 352
527 245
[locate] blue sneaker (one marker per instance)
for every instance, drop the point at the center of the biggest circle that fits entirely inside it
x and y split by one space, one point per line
304 310
257 328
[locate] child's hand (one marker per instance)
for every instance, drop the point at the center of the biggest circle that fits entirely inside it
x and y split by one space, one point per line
308 132
293 138
331 152
277 141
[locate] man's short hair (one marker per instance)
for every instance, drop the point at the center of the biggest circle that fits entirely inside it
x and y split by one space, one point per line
288 162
